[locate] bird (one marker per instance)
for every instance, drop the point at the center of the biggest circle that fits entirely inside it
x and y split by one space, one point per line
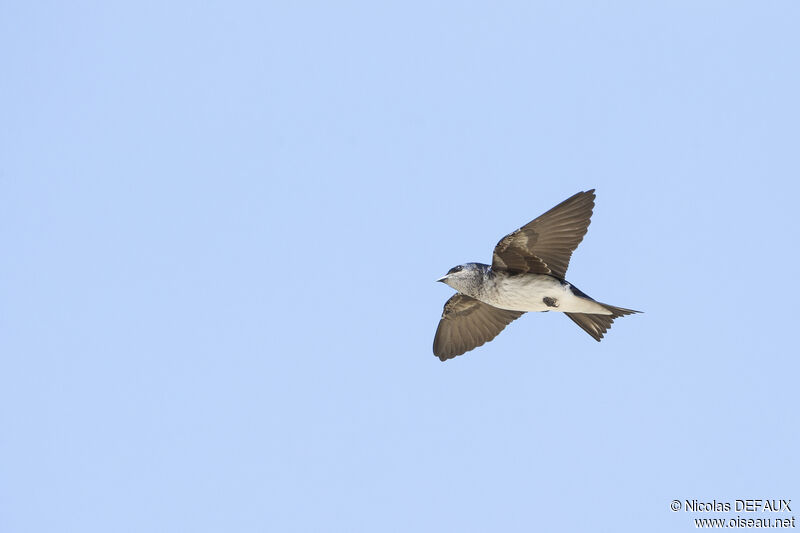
527 274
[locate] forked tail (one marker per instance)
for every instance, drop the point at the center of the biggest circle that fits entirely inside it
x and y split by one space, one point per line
597 325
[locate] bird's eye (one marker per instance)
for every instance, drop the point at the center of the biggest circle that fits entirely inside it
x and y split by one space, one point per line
456 269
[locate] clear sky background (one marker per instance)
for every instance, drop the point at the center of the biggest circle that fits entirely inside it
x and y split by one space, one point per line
221 224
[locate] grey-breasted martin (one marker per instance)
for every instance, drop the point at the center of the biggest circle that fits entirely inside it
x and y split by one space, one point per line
527 274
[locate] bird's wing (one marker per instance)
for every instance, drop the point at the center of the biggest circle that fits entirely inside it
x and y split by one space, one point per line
466 324
545 245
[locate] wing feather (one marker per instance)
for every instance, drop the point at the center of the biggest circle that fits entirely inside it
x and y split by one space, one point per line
468 323
545 245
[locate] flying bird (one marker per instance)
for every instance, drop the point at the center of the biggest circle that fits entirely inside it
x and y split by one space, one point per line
526 274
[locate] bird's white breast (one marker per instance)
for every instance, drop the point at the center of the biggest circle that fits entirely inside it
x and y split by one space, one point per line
527 292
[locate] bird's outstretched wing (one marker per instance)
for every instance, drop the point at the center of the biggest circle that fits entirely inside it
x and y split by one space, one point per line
545 245
466 324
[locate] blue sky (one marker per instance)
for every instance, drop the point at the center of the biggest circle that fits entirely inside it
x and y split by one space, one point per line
222 224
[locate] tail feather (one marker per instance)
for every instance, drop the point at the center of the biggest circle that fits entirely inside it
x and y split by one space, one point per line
597 325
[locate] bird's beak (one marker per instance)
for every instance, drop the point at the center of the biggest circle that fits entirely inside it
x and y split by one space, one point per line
442 279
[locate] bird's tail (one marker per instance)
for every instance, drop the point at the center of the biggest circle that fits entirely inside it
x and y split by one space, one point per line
597 325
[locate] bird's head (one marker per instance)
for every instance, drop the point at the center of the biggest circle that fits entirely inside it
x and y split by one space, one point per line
465 278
